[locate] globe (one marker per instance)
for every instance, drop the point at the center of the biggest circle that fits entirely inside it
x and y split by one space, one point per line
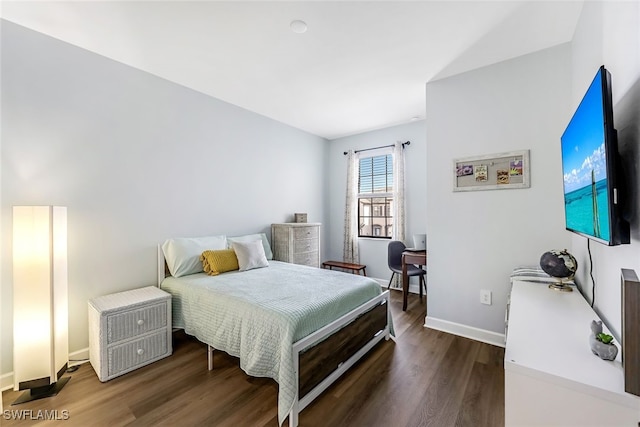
561 265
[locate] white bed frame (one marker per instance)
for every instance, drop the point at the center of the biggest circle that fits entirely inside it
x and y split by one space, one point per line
300 403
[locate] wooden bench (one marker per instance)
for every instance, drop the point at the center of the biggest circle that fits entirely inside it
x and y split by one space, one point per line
355 268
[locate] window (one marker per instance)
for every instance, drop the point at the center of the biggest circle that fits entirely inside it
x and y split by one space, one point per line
375 196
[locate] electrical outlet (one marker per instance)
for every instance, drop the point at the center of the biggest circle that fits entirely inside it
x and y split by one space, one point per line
485 296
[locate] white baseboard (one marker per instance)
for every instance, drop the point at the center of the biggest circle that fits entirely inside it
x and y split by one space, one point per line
76 358
477 334
79 357
413 288
6 381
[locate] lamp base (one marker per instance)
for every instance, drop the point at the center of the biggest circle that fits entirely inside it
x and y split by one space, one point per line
41 392
563 287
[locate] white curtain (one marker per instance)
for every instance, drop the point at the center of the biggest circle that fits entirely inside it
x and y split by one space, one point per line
398 201
350 251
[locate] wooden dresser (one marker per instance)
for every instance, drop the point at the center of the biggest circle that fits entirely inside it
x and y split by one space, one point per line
297 243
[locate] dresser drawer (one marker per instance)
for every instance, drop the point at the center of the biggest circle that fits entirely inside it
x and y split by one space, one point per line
133 354
307 258
305 245
305 233
121 326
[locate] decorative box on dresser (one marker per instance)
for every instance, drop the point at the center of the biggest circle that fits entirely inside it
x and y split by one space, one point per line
551 376
128 330
297 243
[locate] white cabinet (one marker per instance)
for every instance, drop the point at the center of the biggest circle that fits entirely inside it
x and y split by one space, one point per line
297 243
128 330
551 376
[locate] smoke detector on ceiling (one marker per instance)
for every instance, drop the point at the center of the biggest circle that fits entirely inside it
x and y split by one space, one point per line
298 26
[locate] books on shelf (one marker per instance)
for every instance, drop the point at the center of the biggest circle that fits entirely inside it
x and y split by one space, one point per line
535 274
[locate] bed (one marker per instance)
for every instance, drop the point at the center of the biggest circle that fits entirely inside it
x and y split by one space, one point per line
302 326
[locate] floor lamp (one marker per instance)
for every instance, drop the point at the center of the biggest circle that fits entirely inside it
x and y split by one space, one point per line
40 302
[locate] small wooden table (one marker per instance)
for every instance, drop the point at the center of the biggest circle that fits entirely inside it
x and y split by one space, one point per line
355 268
418 258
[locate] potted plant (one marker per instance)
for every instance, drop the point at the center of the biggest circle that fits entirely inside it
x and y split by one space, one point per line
602 344
604 338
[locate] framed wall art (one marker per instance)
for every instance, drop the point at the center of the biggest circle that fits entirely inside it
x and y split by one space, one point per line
492 172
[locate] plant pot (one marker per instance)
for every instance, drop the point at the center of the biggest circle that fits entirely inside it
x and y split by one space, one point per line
604 351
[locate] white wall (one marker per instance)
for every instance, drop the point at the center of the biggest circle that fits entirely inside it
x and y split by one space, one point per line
136 159
373 252
609 33
477 238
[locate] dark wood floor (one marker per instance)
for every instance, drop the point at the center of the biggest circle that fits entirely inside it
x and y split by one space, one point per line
425 378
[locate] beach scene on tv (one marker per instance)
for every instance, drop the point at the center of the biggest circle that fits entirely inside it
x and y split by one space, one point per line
585 169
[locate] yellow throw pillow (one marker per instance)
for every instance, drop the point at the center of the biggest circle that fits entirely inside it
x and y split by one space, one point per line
219 261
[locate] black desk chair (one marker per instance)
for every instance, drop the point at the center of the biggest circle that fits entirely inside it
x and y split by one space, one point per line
394 260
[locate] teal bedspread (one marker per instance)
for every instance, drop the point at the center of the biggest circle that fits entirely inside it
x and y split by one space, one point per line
257 315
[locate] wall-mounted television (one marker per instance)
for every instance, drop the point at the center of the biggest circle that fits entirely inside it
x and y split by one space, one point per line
593 195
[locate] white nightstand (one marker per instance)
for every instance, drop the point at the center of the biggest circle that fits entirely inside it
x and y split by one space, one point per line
128 330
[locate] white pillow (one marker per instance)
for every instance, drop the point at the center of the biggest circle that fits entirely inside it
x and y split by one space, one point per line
250 238
250 255
183 254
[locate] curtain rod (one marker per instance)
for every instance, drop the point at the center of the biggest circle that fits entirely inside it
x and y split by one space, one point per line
375 148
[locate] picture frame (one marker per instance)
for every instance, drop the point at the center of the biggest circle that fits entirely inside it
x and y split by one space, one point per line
499 171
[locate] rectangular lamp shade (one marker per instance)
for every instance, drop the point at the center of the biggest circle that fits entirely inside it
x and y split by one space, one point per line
40 301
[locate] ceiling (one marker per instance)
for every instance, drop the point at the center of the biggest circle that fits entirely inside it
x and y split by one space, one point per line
360 65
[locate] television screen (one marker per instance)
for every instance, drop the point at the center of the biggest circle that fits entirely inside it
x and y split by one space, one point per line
589 157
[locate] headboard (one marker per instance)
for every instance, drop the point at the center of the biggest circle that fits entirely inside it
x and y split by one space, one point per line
163 269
